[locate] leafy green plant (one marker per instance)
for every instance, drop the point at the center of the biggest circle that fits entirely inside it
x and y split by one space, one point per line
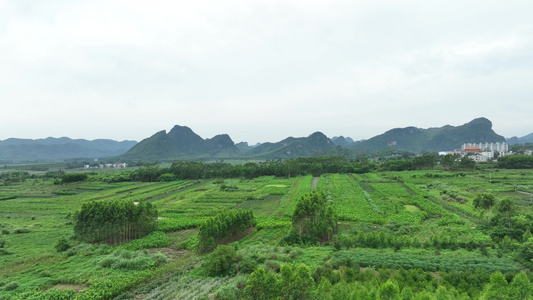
62 245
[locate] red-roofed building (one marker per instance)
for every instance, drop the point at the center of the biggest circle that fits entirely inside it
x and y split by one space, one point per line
472 150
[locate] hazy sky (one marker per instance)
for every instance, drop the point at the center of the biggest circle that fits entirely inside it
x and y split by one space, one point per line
262 70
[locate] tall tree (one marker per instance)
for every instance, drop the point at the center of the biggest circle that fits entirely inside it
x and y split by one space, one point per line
484 201
497 288
520 287
507 208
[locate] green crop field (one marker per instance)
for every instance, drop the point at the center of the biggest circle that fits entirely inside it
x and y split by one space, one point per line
417 233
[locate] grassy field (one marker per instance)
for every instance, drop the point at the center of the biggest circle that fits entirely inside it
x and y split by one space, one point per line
410 220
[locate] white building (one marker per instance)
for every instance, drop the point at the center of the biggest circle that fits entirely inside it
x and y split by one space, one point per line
483 156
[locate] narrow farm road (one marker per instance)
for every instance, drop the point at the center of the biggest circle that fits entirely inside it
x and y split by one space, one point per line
314 183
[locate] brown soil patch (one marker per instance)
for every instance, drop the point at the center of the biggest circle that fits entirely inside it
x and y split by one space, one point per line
238 237
171 252
458 199
75 287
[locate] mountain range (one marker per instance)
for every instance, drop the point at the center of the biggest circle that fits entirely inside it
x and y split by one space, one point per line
418 140
56 149
523 140
181 143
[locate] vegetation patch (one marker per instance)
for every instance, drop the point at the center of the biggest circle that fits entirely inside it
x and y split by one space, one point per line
131 260
368 258
411 208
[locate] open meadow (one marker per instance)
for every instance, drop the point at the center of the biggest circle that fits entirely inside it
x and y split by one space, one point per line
411 234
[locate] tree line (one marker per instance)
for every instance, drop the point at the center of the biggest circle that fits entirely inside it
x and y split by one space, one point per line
516 162
149 172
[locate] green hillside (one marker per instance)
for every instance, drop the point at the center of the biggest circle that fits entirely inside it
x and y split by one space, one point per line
418 140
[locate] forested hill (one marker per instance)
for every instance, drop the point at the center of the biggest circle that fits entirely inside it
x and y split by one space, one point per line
182 143
54 149
418 140
293 147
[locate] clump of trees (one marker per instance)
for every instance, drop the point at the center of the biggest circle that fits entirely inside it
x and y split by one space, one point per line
114 221
516 162
452 162
484 201
313 220
225 225
73 177
7 178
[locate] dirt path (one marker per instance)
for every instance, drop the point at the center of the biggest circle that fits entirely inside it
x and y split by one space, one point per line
524 193
314 183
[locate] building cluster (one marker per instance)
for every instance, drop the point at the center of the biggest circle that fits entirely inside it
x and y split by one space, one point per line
482 152
118 165
501 147
101 166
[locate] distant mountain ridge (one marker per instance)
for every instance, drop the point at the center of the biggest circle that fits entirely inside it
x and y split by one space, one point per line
293 147
516 140
342 141
181 143
64 148
418 140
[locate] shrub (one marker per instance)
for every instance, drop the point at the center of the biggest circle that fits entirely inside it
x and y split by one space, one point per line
125 296
166 177
221 261
228 292
11 286
155 239
62 245
246 266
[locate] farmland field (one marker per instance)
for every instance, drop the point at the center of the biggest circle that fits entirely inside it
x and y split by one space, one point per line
388 223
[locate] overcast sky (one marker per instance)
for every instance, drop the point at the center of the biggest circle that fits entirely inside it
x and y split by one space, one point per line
262 70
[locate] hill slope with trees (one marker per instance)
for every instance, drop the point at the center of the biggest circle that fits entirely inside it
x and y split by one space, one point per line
418 140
